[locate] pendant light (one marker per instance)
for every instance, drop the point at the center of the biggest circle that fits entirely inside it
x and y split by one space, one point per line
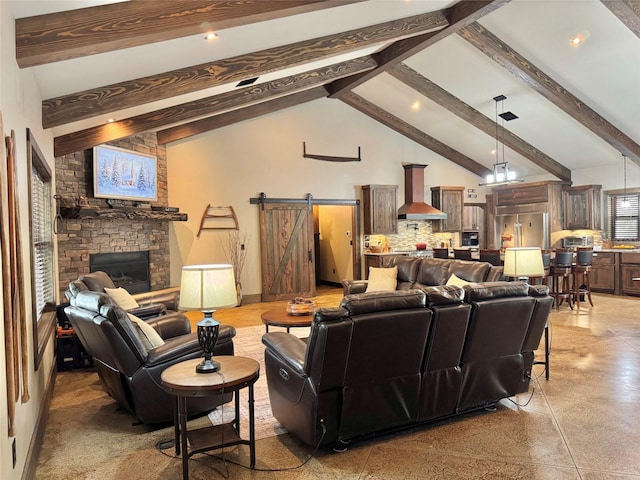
625 203
501 173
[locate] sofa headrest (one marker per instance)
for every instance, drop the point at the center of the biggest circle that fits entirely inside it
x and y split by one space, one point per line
75 287
329 314
370 302
443 295
538 290
475 292
93 301
97 281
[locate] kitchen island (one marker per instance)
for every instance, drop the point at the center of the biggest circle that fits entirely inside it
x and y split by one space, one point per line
614 270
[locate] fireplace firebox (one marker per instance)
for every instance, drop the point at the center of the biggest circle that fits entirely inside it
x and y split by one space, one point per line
129 270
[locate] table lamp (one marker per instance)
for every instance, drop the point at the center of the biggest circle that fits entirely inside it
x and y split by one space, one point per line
207 288
523 262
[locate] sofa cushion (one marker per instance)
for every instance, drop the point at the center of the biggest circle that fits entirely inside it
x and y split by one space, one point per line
382 279
433 271
457 281
146 333
122 297
97 281
407 269
476 292
470 270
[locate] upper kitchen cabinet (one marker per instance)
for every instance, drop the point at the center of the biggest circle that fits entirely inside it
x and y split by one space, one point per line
473 218
582 207
451 201
380 209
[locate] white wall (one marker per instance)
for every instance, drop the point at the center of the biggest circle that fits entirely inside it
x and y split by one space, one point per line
230 165
20 104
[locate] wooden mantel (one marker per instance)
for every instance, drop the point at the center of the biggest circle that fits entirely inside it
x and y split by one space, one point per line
116 213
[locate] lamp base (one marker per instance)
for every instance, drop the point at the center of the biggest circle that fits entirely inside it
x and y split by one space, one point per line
207 366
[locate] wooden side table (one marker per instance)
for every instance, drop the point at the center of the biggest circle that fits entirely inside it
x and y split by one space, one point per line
182 381
280 318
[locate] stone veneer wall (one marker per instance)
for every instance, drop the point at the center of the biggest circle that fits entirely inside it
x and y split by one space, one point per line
78 238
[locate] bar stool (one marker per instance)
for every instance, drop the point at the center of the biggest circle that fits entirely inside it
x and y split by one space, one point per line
580 271
560 271
491 256
440 253
462 254
546 264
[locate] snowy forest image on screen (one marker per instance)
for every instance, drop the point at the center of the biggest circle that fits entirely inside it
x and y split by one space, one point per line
123 174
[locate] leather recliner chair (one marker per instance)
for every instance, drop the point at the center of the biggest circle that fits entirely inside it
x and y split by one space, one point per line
129 371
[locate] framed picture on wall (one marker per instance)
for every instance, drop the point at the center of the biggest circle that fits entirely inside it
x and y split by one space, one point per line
124 174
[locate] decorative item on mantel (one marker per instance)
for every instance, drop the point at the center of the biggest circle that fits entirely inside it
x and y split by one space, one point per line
301 306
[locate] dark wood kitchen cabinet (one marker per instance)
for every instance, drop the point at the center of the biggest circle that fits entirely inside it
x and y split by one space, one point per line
379 209
630 269
582 207
603 272
450 200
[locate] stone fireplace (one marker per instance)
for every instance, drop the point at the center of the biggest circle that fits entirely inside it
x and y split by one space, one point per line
78 239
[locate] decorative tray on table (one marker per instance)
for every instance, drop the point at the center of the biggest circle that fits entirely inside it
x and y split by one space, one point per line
300 306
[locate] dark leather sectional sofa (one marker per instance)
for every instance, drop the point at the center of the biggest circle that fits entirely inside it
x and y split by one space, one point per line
416 272
383 361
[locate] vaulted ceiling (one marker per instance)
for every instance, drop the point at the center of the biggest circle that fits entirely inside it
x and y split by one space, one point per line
428 69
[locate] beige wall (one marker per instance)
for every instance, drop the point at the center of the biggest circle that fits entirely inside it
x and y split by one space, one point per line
20 104
233 164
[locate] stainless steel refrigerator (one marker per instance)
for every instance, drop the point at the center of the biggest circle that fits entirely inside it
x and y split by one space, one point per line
523 230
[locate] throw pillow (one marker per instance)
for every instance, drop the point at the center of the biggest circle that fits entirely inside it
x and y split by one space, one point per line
146 333
382 279
455 280
122 298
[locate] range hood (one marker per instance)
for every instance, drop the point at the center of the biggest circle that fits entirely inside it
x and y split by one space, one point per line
414 207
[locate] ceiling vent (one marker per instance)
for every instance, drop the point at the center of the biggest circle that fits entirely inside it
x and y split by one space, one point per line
414 207
248 81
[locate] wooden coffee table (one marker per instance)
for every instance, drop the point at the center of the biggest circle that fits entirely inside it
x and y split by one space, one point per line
280 318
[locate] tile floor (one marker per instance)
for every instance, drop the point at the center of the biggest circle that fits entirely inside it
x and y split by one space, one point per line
583 423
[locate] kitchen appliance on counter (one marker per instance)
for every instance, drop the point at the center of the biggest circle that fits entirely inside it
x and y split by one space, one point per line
470 239
523 230
577 241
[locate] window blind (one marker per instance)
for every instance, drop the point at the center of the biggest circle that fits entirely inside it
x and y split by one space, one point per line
41 215
624 216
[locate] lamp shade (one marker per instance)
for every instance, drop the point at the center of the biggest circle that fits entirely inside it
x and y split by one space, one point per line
523 262
207 287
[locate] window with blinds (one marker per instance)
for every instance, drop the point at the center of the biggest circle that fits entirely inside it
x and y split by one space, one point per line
624 216
42 237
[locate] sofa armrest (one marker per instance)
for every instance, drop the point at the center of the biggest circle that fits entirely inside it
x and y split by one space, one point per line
145 312
173 324
287 348
172 349
168 297
354 286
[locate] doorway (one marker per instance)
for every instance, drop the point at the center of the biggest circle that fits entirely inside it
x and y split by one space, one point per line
334 230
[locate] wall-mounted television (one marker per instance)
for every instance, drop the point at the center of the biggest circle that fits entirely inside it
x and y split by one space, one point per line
124 174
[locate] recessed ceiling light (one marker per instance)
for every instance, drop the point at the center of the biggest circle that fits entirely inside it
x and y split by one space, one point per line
415 106
579 39
111 120
211 36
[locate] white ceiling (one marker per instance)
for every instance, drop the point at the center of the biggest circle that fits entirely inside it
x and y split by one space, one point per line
604 72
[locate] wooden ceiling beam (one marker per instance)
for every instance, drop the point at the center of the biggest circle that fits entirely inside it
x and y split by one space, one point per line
413 133
460 15
77 33
103 100
76 141
207 124
532 76
439 95
627 11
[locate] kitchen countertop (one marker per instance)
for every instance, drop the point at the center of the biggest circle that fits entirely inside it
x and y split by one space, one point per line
618 250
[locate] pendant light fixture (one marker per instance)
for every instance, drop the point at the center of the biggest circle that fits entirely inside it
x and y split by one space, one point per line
501 173
625 203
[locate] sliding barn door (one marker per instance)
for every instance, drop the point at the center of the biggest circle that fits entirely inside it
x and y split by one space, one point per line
286 238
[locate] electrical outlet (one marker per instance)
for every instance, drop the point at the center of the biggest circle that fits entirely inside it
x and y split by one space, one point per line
13 452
